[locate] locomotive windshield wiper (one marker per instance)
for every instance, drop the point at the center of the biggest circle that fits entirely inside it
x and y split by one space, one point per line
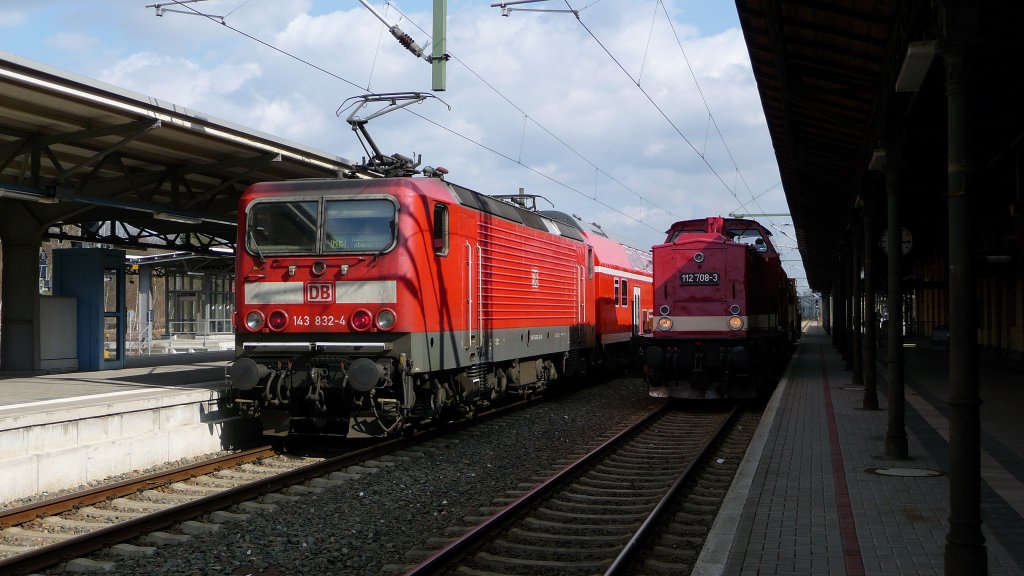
255 246
380 253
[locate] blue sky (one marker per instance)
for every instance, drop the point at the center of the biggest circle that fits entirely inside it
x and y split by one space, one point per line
537 101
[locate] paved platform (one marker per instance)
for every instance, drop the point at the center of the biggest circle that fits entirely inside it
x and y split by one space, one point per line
59 430
809 500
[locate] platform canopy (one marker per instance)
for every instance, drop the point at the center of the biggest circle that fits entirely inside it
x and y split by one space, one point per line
93 162
845 85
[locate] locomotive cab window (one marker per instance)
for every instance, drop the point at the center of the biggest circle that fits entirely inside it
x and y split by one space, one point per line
282 227
440 230
359 225
750 237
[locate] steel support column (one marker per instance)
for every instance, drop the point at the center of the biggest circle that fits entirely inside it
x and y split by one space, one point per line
896 434
965 544
826 312
856 325
870 401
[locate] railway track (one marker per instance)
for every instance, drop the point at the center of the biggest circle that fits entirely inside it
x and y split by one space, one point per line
46 533
633 505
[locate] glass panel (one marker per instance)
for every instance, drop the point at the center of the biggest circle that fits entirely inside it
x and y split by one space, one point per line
110 290
282 228
615 297
440 232
357 225
750 236
625 292
110 331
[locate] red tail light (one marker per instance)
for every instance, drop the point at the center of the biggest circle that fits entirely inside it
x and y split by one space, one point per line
278 320
362 319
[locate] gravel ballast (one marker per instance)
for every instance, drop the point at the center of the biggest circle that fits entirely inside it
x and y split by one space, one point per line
367 524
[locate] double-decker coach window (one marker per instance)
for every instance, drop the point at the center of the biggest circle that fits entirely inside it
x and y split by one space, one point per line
283 227
359 225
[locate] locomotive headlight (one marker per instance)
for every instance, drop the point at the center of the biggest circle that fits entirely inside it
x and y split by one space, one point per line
362 319
698 257
664 309
278 320
735 323
254 320
386 319
318 268
664 323
734 309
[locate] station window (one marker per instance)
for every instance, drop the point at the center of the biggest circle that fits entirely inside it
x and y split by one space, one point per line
615 297
440 231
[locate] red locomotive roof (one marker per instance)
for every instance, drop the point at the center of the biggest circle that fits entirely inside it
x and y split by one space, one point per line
733 229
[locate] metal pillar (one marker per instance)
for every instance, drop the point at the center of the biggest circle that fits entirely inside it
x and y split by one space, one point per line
965 543
826 312
870 401
896 434
856 325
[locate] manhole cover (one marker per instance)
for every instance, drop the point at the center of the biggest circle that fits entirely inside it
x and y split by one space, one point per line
905 472
851 387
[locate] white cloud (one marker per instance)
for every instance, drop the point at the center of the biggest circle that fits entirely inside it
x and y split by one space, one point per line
583 110
178 80
11 18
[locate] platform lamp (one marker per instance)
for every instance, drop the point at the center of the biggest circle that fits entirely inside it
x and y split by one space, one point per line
877 162
915 65
174 217
24 195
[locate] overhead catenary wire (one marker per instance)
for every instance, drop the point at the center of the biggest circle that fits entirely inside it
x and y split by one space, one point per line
492 150
653 102
526 117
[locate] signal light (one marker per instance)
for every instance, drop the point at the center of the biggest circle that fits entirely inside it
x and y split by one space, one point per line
386 319
254 320
362 320
278 320
664 324
735 322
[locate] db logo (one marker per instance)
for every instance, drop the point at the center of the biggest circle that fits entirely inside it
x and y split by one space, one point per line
319 292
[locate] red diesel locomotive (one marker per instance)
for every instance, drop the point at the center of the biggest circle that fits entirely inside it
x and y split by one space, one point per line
391 302
726 313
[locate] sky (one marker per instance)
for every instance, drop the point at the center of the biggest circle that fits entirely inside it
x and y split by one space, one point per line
634 115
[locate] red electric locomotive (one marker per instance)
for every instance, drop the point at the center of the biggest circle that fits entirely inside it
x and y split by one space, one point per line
397 301
724 311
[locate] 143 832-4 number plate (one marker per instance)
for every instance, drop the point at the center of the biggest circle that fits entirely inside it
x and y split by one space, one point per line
698 278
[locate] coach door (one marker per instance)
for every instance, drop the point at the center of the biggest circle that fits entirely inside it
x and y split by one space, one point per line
637 311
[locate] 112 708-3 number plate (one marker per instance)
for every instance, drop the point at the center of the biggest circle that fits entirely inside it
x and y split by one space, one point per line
698 278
